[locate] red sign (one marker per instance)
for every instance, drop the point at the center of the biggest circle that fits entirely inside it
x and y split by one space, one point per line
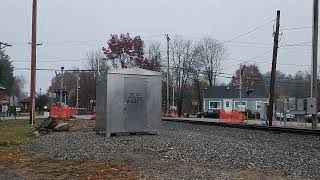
4 101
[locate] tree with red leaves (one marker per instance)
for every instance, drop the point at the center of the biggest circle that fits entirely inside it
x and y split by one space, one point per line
251 75
125 51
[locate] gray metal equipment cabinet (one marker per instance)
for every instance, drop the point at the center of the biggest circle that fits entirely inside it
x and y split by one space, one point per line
128 101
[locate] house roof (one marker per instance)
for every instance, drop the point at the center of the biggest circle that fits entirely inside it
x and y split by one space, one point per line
26 100
232 92
135 71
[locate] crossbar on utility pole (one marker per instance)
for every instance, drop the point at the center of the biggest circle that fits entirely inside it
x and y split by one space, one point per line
168 53
273 70
33 61
314 90
4 45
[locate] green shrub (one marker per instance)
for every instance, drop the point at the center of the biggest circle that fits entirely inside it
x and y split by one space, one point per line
249 113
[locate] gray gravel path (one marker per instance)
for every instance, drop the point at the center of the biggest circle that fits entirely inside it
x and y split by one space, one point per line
6 175
192 151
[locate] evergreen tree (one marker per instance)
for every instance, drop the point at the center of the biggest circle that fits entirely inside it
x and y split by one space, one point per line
6 72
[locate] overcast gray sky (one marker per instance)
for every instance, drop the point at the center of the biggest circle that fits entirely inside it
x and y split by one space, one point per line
69 29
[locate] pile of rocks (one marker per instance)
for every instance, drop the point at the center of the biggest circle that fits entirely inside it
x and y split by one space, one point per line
51 124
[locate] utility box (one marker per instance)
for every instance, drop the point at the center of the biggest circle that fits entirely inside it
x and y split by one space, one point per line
311 105
300 104
128 101
264 111
292 104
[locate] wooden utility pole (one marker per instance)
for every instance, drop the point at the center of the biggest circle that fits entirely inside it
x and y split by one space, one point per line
273 70
33 61
240 87
78 87
61 86
314 90
168 72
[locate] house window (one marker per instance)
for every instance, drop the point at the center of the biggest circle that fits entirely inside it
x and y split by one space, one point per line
227 104
259 104
214 104
237 103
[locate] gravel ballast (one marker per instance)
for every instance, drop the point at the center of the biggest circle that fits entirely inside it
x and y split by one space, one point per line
192 151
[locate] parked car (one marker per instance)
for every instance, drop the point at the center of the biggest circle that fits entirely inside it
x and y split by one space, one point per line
212 113
279 116
200 114
290 117
309 118
185 115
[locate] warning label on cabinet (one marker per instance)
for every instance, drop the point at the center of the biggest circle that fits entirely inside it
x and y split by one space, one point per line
135 98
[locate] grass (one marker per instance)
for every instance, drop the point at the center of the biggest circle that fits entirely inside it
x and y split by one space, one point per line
15 133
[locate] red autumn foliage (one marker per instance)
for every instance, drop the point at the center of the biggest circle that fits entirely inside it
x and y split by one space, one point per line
128 51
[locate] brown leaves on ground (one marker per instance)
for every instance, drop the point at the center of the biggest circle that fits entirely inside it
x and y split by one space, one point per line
30 167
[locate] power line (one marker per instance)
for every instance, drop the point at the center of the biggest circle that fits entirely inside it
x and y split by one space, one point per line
296 28
259 47
221 74
296 44
252 78
256 43
158 35
50 61
267 62
27 17
247 33
48 69
251 60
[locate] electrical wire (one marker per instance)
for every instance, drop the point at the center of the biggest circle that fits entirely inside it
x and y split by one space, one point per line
27 18
296 28
296 44
247 33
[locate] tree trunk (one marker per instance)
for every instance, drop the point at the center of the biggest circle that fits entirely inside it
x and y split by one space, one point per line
210 80
180 102
122 64
180 106
200 101
198 92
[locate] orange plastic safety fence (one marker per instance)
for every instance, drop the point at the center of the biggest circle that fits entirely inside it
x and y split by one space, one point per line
170 114
93 117
232 117
61 112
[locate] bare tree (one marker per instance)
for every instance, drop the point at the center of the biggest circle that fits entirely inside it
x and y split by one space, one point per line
196 78
154 56
211 52
97 62
182 66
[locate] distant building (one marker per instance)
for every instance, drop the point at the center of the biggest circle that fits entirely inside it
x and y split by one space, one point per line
227 98
24 104
292 104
